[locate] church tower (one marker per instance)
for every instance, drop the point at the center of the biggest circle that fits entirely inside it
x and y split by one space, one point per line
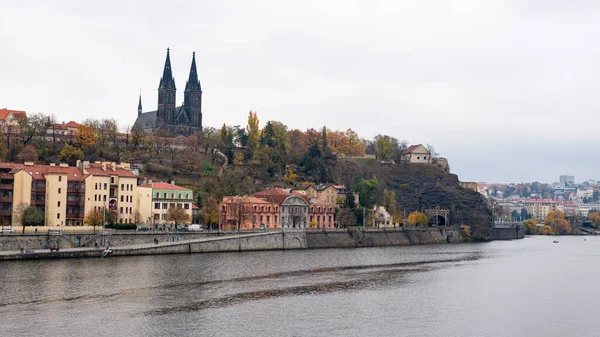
193 96
166 95
140 106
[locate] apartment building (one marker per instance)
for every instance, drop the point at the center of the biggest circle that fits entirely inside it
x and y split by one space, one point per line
66 193
155 199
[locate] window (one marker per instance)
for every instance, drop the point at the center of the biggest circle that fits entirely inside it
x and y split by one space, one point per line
59 178
157 195
268 218
164 205
59 190
179 195
121 198
156 205
95 197
121 210
96 186
186 206
172 195
104 197
58 204
104 186
58 215
122 187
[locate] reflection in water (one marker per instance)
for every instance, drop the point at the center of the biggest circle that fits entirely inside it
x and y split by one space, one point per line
466 289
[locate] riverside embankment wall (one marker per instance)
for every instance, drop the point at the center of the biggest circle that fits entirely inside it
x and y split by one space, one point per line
508 233
77 245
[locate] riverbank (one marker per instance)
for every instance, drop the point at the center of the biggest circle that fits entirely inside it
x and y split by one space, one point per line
107 243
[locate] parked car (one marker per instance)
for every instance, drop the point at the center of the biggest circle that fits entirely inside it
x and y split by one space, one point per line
181 227
7 230
143 229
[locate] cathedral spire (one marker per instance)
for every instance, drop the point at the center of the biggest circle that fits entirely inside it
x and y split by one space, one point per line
167 81
140 105
193 84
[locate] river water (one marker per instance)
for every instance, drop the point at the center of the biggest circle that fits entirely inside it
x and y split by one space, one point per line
529 287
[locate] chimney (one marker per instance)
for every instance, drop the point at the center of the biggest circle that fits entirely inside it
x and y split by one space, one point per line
51 164
150 181
78 164
172 182
114 166
63 165
104 167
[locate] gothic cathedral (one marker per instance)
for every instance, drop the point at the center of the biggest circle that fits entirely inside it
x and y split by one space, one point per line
183 120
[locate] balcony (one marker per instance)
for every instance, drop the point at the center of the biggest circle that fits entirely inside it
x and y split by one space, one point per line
76 190
6 198
38 202
6 187
35 188
75 203
4 212
74 216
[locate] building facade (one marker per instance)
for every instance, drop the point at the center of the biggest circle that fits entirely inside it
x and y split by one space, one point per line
416 154
175 120
161 196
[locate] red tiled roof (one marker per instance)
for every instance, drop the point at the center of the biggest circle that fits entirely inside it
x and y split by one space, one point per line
97 170
244 199
411 148
278 195
165 186
39 172
5 112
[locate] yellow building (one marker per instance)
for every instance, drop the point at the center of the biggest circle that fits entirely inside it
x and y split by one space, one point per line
111 186
66 193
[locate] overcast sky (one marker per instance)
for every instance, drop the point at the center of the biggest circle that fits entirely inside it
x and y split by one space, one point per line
506 90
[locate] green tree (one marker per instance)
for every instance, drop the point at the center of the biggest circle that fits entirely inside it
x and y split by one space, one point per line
70 154
29 216
385 148
275 135
366 191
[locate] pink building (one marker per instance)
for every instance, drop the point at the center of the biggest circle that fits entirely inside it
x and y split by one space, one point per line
246 213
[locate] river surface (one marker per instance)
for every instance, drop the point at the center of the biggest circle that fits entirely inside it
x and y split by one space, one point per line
529 287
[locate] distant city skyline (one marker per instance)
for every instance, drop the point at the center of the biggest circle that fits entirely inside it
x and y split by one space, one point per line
506 90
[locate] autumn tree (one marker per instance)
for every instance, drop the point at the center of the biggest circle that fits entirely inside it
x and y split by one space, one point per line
530 226
594 217
558 222
70 154
355 146
252 144
86 135
346 217
417 218
137 136
94 218
240 212
28 153
211 211
178 215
